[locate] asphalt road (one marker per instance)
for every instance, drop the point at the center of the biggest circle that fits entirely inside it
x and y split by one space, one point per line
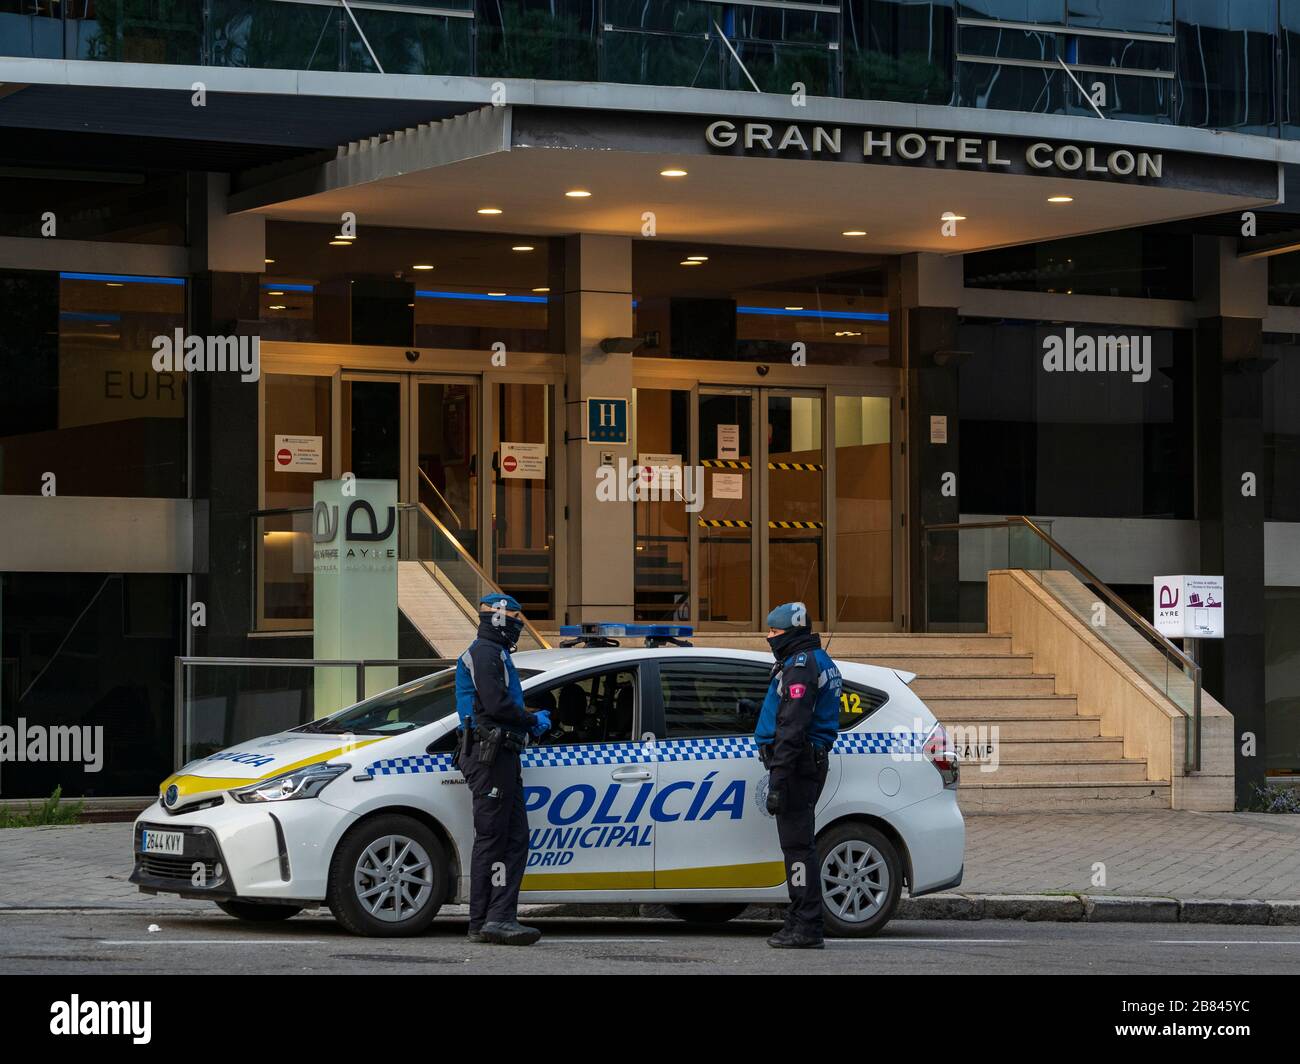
110 943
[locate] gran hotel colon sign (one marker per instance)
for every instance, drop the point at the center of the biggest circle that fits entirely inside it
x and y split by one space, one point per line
952 151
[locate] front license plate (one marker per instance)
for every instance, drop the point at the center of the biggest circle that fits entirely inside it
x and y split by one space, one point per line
169 842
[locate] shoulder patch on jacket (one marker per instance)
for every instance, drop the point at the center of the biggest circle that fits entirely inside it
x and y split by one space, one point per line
802 659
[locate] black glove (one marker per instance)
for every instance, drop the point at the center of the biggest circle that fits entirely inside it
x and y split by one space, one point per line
775 800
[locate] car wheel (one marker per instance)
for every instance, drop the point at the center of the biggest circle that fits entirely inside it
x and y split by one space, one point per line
707 912
257 912
388 878
861 879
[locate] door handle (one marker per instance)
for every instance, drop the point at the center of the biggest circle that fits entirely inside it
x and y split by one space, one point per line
625 775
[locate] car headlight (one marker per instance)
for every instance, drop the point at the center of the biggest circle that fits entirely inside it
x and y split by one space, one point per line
306 782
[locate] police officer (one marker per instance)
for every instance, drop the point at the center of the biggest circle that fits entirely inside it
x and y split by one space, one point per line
796 728
494 729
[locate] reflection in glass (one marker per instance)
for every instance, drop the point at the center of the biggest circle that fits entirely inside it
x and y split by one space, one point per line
864 509
726 533
796 515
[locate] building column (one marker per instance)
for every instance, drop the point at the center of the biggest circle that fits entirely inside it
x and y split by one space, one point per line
600 533
226 259
1230 377
930 292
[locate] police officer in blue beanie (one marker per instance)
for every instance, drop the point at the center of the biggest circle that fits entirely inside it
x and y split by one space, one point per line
796 729
494 729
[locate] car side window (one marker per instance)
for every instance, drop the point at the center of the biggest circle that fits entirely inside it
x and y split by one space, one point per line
703 698
857 703
599 708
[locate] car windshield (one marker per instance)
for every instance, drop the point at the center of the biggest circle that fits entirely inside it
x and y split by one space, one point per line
404 708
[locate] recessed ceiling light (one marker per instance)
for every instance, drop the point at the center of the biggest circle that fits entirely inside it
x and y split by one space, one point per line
496 293
698 258
269 261
410 304
113 284
541 289
690 262
489 210
672 173
276 306
340 243
523 247
794 308
1060 199
275 293
948 216
422 266
854 232
577 193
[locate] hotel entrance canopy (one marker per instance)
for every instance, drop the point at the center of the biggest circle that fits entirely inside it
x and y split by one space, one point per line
793 181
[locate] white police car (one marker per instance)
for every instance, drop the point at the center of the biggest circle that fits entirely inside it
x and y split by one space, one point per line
648 789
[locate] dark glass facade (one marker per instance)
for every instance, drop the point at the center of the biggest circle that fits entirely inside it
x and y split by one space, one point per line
1134 263
77 379
86 682
1073 443
1281 473
1220 64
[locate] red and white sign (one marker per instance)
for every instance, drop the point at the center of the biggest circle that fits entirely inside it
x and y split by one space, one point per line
299 454
523 461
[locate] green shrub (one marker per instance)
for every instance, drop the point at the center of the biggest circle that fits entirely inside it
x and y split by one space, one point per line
54 810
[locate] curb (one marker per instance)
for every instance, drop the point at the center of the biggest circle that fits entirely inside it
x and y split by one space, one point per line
1057 908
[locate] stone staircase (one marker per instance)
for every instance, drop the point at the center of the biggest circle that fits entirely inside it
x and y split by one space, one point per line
1050 753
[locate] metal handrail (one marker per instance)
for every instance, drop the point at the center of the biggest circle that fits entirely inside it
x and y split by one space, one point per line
441 497
423 511
360 664
1192 754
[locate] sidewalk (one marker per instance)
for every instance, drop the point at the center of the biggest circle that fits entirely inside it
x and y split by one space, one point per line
1194 857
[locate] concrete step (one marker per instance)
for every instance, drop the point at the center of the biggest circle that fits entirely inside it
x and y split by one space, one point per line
980 707
977 797
1017 751
1024 729
1058 771
987 686
926 665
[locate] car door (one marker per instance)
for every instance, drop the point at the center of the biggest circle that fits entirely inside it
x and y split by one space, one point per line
588 786
713 828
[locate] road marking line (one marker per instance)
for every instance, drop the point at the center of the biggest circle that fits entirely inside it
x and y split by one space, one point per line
921 941
1226 941
211 941
557 938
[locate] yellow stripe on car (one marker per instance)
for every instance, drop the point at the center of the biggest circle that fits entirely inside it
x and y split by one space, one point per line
762 874
190 784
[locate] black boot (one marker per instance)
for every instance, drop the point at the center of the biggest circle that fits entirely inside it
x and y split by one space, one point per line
510 933
797 938
476 935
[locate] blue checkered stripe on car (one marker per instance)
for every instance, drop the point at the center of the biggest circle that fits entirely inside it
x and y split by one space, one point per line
721 749
402 766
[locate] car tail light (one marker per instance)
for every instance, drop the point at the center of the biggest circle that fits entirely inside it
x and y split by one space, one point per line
941 755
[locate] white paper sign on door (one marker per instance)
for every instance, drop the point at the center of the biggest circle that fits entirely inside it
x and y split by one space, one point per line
728 485
298 454
728 441
660 472
523 461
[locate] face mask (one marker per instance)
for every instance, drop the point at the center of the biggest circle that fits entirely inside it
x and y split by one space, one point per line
782 643
513 629
509 632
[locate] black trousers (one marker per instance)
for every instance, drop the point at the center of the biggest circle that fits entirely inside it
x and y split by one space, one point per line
500 851
796 828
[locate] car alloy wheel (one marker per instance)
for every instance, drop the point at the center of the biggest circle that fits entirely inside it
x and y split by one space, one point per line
855 881
393 878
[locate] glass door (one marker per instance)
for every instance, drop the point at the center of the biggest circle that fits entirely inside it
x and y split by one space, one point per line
446 456
726 551
793 498
523 488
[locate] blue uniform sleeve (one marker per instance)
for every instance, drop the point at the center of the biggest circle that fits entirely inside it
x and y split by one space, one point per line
794 715
491 685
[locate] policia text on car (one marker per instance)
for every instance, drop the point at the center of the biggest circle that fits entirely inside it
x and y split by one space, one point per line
494 729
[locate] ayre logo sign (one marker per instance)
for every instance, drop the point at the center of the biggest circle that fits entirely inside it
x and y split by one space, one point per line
1073 353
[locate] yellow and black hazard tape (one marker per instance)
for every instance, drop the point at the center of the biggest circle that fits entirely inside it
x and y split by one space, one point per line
798 467
707 522
724 463
795 524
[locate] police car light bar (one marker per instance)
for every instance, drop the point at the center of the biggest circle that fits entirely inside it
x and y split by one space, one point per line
607 634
